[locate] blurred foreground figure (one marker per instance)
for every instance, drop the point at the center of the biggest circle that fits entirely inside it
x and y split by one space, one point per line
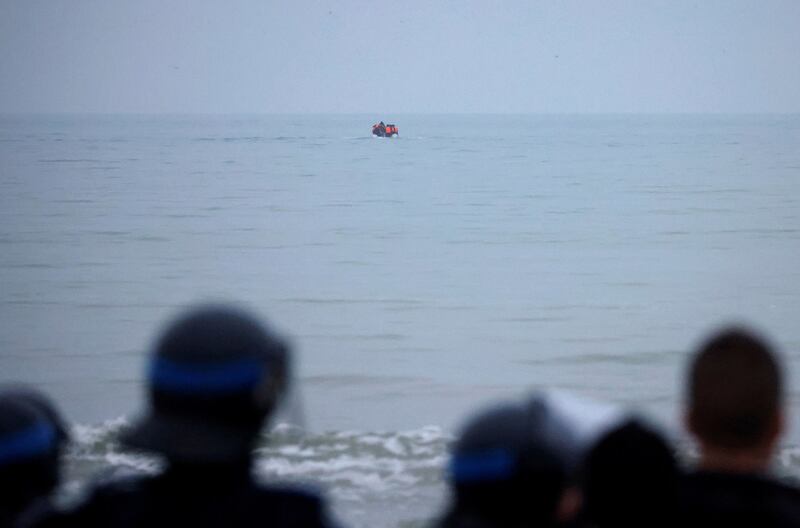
735 412
512 467
631 480
215 377
31 438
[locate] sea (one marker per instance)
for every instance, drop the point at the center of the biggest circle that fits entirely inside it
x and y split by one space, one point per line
472 259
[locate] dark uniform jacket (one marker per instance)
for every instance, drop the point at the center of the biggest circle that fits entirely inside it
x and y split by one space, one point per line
738 500
186 500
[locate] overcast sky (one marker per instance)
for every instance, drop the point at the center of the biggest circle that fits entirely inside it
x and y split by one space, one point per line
389 56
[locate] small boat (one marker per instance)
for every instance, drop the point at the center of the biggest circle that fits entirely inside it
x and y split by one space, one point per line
384 130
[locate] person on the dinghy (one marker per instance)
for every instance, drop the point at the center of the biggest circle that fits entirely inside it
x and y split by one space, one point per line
384 130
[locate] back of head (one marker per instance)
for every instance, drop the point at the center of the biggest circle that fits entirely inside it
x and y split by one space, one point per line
631 479
215 376
31 437
734 391
43 405
509 466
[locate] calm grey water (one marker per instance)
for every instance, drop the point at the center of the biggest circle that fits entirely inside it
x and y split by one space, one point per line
473 257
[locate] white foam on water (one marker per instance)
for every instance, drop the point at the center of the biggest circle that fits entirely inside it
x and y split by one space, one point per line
371 461
350 467
364 474
95 447
88 435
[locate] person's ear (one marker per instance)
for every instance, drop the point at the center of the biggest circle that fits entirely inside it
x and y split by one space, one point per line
569 505
776 428
690 422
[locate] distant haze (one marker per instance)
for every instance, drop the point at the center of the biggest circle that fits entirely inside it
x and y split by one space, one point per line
386 57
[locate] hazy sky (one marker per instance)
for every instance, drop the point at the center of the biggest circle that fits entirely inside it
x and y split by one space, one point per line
389 57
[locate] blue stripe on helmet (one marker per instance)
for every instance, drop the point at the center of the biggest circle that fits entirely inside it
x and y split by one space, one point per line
221 377
478 466
32 441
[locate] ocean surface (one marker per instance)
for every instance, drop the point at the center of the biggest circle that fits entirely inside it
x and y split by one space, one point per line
471 259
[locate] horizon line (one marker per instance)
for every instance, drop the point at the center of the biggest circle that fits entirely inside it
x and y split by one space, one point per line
365 113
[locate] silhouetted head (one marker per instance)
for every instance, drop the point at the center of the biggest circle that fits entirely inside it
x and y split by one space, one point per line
735 392
215 376
42 404
631 479
511 465
31 438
